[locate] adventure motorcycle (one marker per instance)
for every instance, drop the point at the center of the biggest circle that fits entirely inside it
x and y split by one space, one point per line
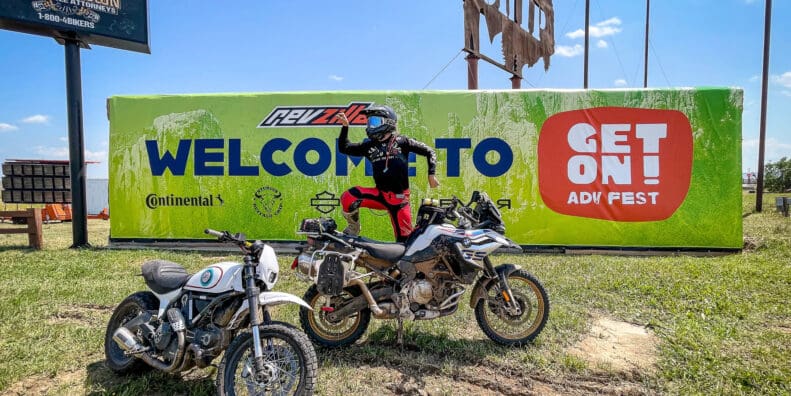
423 278
188 320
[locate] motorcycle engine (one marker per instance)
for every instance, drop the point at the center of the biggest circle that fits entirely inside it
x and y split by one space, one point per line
164 341
420 291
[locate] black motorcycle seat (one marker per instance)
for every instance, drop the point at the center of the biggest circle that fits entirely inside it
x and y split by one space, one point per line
164 276
390 251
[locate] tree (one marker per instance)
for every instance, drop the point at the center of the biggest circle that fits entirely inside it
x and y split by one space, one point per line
778 175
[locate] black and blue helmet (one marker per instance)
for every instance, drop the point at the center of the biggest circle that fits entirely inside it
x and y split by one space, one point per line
381 120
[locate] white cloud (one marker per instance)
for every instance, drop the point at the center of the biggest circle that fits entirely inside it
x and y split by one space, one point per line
611 21
620 82
602 29
601 44
7 127
783 79
569 52
754 78
36 119
773 150
100 156
63 139
333 77
63 153
786 93
53 152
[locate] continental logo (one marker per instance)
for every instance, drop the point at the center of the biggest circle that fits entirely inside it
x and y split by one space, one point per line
615 163
154 201
314 116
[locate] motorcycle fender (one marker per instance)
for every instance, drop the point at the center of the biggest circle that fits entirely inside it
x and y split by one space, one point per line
275 298
266 298
479 291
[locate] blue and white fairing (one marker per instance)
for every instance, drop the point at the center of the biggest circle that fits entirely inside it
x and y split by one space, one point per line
474 244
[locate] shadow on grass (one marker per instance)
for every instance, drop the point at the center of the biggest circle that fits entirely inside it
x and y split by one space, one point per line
100 380
23 248
426 355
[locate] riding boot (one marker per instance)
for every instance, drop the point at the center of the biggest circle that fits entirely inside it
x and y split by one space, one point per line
353 222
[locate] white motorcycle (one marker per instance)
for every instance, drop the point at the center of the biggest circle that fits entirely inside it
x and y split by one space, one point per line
188 320
421 279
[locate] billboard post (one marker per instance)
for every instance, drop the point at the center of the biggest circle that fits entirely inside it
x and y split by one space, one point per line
78 167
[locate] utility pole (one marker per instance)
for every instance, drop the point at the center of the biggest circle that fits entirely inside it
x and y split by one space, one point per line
645 57
759 188
587 41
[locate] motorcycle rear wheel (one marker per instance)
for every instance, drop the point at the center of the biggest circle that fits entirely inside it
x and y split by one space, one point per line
330 334
289 359
115 359
509 329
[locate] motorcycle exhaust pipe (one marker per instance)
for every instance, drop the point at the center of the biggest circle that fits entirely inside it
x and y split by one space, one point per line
368 297
176 320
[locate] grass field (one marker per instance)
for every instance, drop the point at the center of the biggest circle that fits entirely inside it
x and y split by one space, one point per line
722 324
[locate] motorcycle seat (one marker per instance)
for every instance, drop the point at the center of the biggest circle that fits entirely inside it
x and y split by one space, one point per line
164 276
381 250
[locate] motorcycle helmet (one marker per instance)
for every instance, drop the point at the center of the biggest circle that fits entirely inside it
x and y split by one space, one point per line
381 120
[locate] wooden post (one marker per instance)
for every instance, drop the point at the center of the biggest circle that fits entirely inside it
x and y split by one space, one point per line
34 228
472 71
516 82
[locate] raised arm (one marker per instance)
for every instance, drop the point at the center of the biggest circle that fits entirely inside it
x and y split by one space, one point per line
344 146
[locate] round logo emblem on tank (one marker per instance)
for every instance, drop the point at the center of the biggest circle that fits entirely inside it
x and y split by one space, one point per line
206 277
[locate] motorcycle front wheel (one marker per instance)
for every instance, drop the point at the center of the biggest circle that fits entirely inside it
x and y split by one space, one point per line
325 332
509 327
130 308
290 365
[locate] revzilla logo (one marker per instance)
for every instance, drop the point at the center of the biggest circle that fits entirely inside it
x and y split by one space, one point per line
615 163
314 116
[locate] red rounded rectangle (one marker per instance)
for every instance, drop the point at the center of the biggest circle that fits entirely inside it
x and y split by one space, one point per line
615 163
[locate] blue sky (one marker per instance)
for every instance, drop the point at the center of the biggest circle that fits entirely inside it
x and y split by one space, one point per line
267 46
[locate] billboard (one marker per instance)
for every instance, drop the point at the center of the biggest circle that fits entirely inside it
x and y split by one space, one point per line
113 23
658 168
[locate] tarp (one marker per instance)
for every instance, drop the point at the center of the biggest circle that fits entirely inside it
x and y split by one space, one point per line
657 168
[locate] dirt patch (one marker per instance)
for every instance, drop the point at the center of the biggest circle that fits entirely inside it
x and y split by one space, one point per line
619 346
783 329
70 382
85 315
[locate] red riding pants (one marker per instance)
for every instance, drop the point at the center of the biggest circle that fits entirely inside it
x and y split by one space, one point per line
396 205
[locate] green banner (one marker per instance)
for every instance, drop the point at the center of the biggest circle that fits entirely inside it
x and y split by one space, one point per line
612 168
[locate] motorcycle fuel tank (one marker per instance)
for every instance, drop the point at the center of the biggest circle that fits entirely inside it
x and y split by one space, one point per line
217 278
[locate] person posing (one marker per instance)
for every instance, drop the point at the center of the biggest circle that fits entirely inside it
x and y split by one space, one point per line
388 153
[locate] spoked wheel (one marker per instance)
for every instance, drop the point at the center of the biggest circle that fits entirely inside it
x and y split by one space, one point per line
290 365
509 326
130 308
327 333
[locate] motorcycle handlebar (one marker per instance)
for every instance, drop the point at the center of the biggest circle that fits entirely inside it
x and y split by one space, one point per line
214 233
